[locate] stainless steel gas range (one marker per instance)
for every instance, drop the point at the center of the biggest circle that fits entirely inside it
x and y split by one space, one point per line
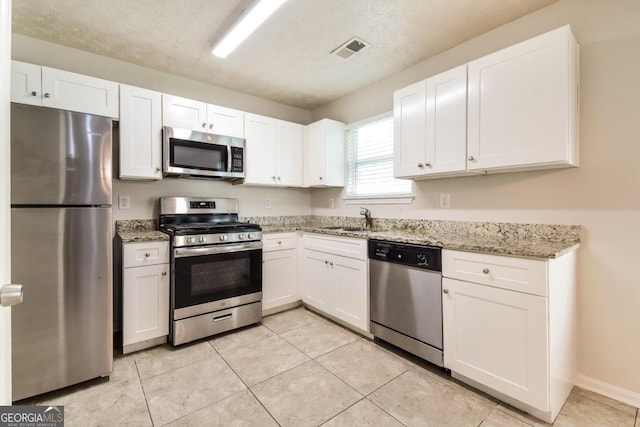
216 267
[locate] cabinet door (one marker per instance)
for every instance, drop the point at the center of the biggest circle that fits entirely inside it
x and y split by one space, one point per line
519 103
279 278
225 121
26 85
497 338
145 300
314 155
140 133
261 134
317 280
351 291
289 162
409 130
75 92
446 122
184 113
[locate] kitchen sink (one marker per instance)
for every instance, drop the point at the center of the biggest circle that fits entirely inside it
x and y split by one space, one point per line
340 228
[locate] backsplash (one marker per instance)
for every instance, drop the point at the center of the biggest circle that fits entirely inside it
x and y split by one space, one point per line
548 232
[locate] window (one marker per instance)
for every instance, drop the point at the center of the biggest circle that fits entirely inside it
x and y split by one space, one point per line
370 160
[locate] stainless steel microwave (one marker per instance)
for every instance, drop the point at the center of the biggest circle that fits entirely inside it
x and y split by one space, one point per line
187 153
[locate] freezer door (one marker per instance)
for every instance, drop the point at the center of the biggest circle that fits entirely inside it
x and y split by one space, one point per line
62 332
59 157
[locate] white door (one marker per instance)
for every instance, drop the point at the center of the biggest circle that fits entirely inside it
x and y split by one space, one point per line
225 121
351 291
315 154
26 83
5 210
317 279
184 113
409 126
289 163
145 298
279 278
262 148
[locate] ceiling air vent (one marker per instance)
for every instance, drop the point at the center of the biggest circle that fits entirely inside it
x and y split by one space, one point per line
349 48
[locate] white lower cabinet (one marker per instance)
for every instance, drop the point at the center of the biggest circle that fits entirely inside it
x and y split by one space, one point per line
334 279
279 271
145 295
509 327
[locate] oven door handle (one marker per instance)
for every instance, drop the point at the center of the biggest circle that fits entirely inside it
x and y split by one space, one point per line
217 249
229 159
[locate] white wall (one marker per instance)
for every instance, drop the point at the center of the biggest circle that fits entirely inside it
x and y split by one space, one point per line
603 194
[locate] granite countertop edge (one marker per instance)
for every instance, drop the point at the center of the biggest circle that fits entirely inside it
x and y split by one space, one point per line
539 249
134 236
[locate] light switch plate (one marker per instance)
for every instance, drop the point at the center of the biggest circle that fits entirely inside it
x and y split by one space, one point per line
445 200
123 202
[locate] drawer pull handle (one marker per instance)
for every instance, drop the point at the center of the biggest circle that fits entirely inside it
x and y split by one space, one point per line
147 255
331 264
221 318
279 242
164 273
485 270
445 291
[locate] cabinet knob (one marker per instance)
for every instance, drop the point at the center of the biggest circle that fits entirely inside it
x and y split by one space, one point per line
204 125
331 264
164 273
157 169
147 255
420 165
47 95
485 270
279 179
471 158
273 177
320 178
445 291
326 262
210 125
428 164
34 93
279 242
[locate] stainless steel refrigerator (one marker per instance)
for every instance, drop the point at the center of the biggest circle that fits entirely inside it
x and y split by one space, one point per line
61 248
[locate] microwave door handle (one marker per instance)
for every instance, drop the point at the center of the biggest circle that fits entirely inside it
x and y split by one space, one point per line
229 159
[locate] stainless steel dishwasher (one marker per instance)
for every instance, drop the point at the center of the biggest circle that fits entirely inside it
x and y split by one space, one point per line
406 297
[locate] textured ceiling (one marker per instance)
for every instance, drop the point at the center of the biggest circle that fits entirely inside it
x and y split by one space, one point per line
287 59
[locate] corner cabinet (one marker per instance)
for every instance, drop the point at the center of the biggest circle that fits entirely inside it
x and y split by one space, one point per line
49 87
510 327
279 271
523 105
324 154
199 116
145 295
334 277
140 133
274 151
430 122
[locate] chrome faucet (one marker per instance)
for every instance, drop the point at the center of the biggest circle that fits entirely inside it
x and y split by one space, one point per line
367 218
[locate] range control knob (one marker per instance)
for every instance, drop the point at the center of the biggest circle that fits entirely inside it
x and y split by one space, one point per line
242 236
223 237
202 239
191 239
251 236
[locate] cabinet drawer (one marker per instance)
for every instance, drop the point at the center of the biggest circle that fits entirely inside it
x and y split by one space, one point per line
517 274
145 253
341 246
279 241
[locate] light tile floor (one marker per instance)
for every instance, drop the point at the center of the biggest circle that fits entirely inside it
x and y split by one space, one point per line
299 369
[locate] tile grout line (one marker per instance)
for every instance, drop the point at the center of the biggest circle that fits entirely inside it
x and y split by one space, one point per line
144 393
245 384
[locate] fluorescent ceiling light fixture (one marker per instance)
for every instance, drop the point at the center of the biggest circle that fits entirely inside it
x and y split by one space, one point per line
245 26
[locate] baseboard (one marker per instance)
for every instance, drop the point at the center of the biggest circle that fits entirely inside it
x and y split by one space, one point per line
609 390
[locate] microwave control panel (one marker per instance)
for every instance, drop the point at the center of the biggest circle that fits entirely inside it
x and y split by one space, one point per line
237 159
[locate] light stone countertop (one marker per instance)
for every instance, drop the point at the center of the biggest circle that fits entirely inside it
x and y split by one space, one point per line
139 230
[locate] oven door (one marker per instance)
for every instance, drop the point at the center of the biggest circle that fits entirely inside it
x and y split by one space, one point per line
210 278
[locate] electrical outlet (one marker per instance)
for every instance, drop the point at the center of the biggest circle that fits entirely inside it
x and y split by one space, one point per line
445 200
267 203
331 203
123 202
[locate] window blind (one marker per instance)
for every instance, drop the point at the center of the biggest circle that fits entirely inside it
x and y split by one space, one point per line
370 160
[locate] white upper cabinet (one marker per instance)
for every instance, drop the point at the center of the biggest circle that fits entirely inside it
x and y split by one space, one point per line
430 119
274 151
48 87
523 105
324 154
140 133
199 116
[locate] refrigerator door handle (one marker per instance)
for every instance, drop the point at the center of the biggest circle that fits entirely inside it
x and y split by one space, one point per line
11 295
